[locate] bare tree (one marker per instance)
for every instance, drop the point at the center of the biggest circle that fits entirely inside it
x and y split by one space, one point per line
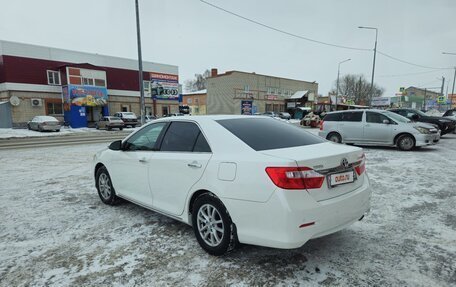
198 83
357 88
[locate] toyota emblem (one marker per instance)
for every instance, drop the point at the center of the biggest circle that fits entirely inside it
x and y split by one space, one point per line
344 162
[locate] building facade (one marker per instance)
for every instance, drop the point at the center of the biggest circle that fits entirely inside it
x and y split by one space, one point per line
78 87
196 101
416 98
236 92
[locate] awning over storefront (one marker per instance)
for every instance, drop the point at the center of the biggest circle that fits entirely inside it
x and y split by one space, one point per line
299 94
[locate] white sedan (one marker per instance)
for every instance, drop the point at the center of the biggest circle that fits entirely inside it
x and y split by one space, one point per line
237 179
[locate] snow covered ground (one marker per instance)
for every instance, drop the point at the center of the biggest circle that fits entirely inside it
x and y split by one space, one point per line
54 231
22 133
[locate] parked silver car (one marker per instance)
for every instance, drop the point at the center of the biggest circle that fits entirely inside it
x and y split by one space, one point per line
110 123
44 123
378 128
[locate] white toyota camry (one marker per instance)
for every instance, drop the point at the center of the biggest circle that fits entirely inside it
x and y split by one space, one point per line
237 179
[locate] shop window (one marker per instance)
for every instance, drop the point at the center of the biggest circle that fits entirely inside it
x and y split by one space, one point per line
246 88
54 108
53 77
87 81
100 83
146 86
125 108
268 108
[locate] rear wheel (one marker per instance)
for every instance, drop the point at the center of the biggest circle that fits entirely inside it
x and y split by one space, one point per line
334 137
405 142
120 128
212 225
104 186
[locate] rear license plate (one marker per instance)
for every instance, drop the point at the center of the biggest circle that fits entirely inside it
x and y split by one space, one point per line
341 178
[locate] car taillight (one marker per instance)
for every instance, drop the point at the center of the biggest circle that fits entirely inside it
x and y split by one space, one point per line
361 167
321 125
295 177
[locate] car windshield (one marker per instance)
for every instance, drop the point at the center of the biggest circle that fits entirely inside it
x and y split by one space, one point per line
421 113
129 114
256 133
396 117
114 119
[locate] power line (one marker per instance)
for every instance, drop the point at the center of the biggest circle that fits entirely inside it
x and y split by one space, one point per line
283 31
313 40
410 63
408 74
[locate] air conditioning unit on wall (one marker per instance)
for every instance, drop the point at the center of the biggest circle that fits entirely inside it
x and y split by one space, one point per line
37 102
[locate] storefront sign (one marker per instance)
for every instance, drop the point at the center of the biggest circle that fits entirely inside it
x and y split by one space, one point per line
164 86
246 108
89 96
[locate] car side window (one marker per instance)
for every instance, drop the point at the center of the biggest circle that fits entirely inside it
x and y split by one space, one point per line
333 117
352 116
376 118
201 144
180 136
146 138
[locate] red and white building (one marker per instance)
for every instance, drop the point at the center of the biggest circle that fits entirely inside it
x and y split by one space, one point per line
78 87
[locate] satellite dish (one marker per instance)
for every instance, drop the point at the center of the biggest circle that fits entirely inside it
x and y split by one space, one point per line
14 101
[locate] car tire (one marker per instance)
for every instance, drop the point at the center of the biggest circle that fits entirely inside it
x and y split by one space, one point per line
334 137
210 214
28 127
133 126
104 187
120 128
97 127
40 128
405 142
108 128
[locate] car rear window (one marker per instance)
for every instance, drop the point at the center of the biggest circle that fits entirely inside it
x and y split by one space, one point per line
332 117
267 133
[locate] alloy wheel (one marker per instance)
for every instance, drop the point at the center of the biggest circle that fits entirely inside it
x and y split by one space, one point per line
104 186
210 225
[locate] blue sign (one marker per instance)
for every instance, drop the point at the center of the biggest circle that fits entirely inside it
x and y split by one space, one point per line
246 108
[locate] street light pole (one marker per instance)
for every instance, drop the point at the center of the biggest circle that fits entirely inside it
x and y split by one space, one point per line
373 65
141 84
338 73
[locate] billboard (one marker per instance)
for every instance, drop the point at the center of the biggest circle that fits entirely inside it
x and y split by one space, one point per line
85 96
164 86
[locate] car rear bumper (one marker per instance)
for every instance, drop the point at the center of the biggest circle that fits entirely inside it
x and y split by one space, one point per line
426 139
276 223
50 128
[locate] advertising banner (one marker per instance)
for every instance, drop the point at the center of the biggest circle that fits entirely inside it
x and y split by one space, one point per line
246 108
86 96
164 86
380 101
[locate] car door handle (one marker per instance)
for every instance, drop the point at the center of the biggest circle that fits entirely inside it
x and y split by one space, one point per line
194 164
143 160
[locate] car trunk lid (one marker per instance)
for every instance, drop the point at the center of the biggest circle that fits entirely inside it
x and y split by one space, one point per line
339 165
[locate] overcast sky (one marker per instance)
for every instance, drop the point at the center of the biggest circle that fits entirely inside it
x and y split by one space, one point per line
195 36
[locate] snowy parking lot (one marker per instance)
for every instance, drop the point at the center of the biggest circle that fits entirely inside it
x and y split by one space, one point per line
55 231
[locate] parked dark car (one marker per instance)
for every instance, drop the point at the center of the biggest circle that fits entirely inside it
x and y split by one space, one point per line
445 125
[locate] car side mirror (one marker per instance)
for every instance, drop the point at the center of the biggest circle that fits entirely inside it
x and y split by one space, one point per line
116 145
386 122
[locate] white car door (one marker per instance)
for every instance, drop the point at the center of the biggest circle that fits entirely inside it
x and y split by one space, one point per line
376 130
180 163
351 126
129 167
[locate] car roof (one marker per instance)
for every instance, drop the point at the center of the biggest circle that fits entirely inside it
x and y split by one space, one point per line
358 110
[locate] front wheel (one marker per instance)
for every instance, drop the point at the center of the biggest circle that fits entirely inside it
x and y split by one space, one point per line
405 142
212 225
104 186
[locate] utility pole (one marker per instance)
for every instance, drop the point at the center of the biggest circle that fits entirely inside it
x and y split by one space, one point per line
454 77
424 104
373 66
443 84
141 84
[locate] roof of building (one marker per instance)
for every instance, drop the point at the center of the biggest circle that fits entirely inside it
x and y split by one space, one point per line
200 92
255 74
8 48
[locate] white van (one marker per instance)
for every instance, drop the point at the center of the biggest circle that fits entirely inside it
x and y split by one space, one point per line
377 127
